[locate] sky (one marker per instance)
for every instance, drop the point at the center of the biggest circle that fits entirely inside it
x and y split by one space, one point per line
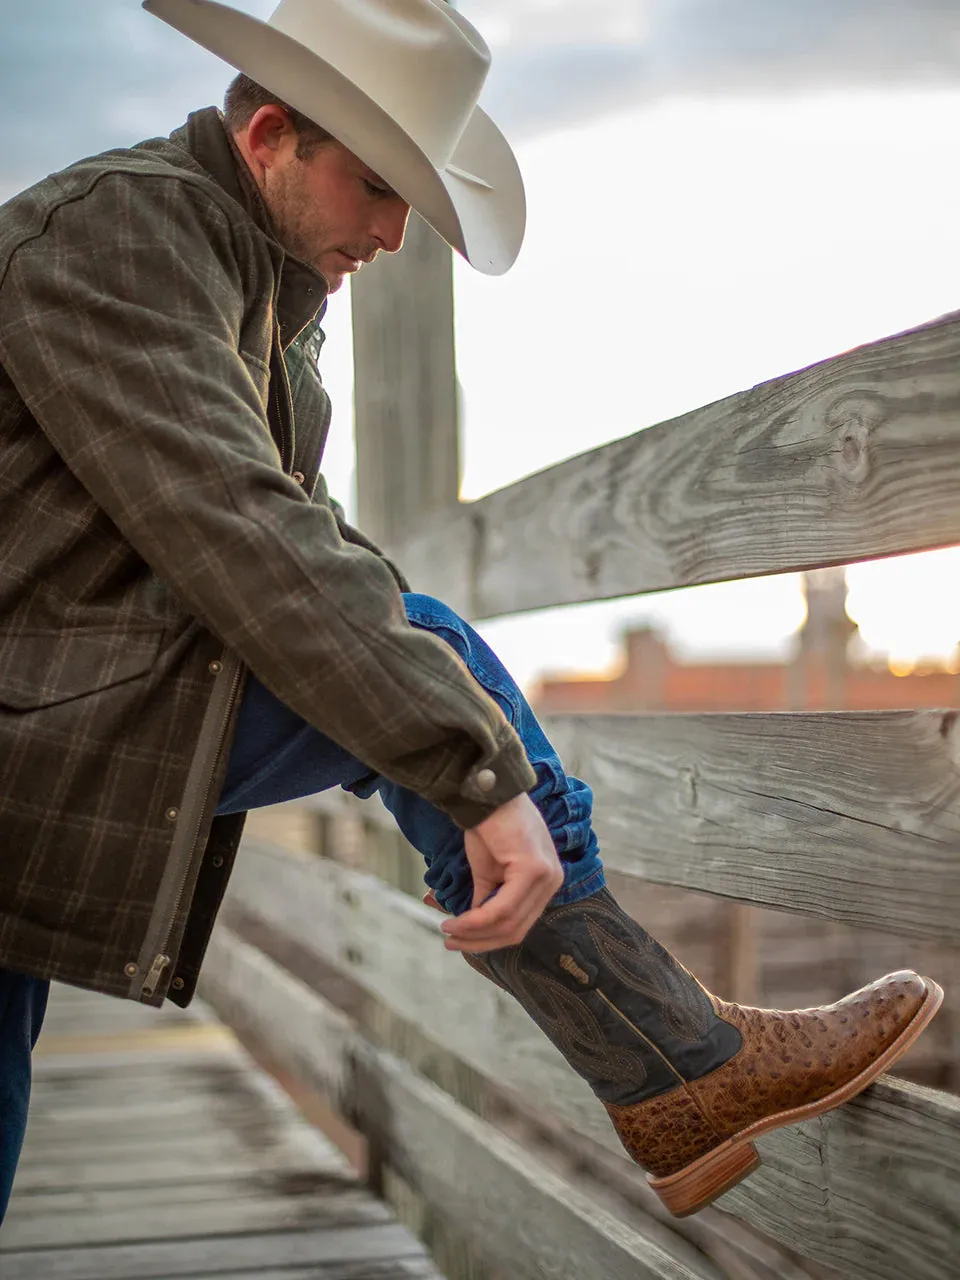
719 191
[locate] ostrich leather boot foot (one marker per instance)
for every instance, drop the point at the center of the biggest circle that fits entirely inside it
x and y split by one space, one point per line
688 1080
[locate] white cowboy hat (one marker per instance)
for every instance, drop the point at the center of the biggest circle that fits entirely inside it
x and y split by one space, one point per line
397 82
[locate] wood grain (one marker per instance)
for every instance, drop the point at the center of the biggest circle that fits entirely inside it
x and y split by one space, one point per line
218 1255
849 459
879 1183
231 1213
849 816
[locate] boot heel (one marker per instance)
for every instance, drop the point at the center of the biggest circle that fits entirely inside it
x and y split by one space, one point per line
703 1181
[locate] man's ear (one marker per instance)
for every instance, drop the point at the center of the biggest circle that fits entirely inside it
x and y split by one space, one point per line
269 135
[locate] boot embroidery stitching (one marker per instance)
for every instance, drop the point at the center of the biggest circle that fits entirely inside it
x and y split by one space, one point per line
683 1006
568 1021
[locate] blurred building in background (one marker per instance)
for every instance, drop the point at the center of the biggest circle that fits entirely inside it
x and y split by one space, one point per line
825 673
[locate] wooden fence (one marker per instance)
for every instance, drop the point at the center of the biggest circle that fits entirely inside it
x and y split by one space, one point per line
846 817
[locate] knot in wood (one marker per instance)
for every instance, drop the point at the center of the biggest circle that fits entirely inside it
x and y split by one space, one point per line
688 785
852 451
854 417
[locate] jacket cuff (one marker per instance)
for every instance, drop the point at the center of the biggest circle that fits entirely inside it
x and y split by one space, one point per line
501 776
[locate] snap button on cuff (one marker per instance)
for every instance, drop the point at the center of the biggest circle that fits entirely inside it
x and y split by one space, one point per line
299 477
215 667
486 780
172 814
130 970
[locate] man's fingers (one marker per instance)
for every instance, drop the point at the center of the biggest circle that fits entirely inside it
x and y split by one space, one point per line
503 921
510 903
515 872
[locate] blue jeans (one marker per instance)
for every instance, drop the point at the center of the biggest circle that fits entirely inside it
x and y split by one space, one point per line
277 756
23 1002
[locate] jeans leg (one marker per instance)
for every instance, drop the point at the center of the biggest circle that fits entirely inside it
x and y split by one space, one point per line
23 1002
565 802
276 756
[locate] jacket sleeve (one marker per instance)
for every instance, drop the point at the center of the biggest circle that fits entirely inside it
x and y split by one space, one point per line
349 534
123 327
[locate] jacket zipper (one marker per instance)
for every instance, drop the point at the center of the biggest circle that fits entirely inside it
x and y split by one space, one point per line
283 403
161 959
171 894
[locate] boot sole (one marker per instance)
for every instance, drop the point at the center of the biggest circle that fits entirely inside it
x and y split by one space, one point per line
712 1175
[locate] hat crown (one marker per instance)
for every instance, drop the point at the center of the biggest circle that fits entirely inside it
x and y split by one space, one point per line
419 60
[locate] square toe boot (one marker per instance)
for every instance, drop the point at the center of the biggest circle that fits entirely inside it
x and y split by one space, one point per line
688 1080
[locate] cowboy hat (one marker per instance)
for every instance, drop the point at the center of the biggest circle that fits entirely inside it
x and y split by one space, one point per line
397 83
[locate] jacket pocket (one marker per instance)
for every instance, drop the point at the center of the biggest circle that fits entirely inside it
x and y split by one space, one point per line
45 668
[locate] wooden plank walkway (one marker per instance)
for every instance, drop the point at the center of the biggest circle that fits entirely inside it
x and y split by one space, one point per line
157 1149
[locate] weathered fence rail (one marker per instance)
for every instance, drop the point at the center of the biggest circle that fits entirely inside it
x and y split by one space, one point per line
846 817
850 459
850 816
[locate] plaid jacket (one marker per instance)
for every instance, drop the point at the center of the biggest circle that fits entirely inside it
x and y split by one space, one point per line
163 529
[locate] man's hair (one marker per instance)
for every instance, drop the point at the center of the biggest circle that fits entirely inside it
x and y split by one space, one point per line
244 98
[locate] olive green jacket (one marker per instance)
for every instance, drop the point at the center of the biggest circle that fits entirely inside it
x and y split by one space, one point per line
163 529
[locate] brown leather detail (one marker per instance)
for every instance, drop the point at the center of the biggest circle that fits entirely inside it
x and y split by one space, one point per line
788 1060
791 1059
665 1133
570 965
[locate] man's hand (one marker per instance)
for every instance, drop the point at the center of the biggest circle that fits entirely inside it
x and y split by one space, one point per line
512 857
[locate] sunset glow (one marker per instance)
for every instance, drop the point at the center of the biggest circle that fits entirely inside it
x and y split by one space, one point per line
909 608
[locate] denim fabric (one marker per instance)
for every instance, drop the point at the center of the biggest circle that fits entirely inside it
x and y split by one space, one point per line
276 756
23 1002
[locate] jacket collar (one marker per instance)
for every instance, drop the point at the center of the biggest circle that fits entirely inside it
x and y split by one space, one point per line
302 292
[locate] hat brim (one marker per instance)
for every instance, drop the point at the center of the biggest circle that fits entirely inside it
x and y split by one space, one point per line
483 220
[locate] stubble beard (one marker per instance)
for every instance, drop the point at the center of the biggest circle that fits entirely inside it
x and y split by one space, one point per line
295 220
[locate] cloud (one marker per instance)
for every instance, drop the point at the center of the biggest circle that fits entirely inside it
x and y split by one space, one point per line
558 61
78 78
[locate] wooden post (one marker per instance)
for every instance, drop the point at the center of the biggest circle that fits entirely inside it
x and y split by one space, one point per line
407 430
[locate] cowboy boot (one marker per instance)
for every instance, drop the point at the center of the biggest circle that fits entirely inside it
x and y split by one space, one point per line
688 1080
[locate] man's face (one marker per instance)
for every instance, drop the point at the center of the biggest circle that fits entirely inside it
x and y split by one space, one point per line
331 210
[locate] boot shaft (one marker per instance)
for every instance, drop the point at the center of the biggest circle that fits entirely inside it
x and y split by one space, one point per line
623 1012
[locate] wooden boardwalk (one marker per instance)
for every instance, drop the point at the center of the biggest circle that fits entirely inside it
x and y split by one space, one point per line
158 1150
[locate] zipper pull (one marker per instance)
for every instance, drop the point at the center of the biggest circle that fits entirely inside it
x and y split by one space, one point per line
152 980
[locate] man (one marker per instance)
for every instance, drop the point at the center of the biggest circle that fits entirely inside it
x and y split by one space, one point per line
188 630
